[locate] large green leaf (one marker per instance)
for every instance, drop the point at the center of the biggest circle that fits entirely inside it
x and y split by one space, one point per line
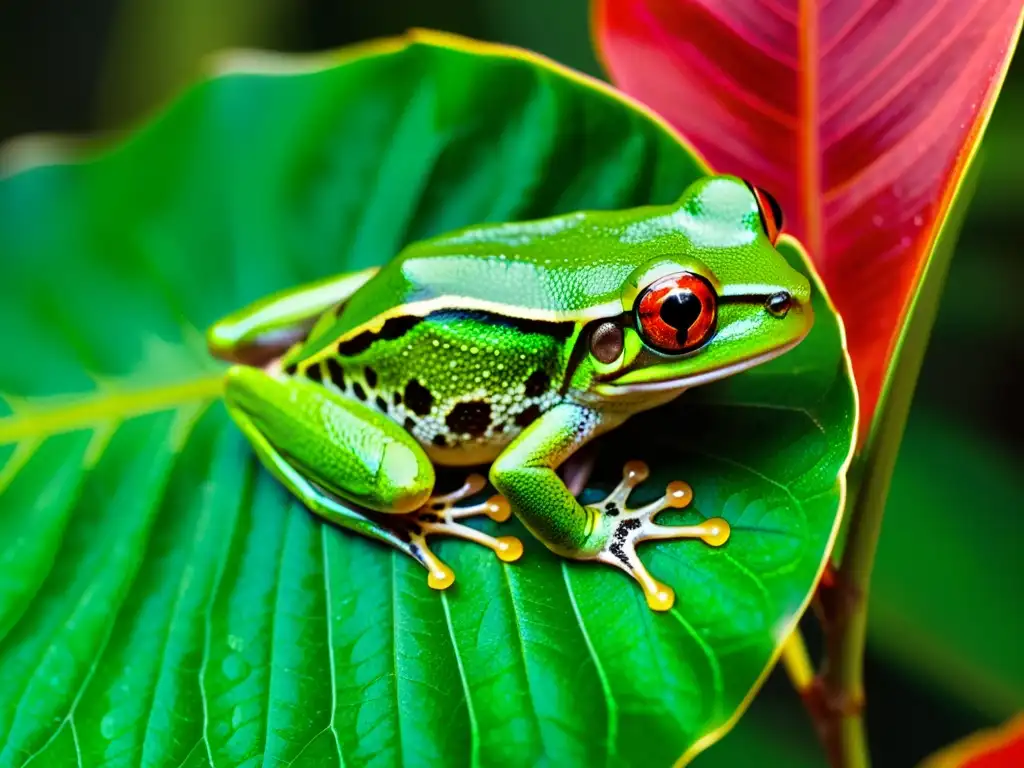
164 601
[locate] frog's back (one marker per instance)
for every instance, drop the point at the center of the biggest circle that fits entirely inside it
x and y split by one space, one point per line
466 339
462 383
549 270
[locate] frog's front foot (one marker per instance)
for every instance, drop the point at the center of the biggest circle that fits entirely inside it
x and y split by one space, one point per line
624 528
439 517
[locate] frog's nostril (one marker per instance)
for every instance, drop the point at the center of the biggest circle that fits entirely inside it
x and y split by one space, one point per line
778 304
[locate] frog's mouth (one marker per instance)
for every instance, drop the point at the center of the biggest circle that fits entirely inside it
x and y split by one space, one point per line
682 383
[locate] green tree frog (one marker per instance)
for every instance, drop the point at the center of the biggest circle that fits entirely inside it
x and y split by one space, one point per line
512 345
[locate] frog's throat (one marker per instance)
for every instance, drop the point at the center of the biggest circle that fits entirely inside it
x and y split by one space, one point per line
611 389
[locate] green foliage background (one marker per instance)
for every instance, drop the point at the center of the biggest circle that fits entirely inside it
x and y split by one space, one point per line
945 616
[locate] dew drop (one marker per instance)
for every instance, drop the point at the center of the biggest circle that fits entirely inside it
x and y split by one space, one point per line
918 220
233 667
108 726
877 220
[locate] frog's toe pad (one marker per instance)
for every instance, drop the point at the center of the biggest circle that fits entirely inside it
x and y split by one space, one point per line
439 575
439 517
628 527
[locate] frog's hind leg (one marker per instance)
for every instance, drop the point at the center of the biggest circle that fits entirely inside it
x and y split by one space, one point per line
267 328
354 467
320 501
628 527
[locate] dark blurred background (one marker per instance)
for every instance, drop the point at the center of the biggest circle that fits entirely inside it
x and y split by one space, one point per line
946 616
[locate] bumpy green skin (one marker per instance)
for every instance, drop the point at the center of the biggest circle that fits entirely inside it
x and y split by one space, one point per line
474 348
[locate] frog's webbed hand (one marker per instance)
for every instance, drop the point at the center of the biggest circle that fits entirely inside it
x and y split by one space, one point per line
608 531
625 528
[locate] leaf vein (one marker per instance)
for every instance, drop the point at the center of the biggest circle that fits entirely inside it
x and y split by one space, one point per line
612 707
394 654
522 654
184 581
474 733
274 628
99 408
101 649
326 565
713 663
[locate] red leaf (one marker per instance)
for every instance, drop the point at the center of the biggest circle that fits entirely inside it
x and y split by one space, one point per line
1001 747
859 116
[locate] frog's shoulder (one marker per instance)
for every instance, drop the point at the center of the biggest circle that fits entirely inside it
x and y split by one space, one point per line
561 269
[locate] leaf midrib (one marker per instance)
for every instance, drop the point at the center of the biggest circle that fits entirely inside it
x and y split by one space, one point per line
32 422
809 150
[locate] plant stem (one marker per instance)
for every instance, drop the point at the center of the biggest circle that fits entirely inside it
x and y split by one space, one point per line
836 698
839 688
797 662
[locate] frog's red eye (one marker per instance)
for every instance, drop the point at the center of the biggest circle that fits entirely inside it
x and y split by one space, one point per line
677 313
769 210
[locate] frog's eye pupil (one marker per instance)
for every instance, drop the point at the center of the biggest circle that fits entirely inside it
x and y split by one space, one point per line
677 313
681 310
